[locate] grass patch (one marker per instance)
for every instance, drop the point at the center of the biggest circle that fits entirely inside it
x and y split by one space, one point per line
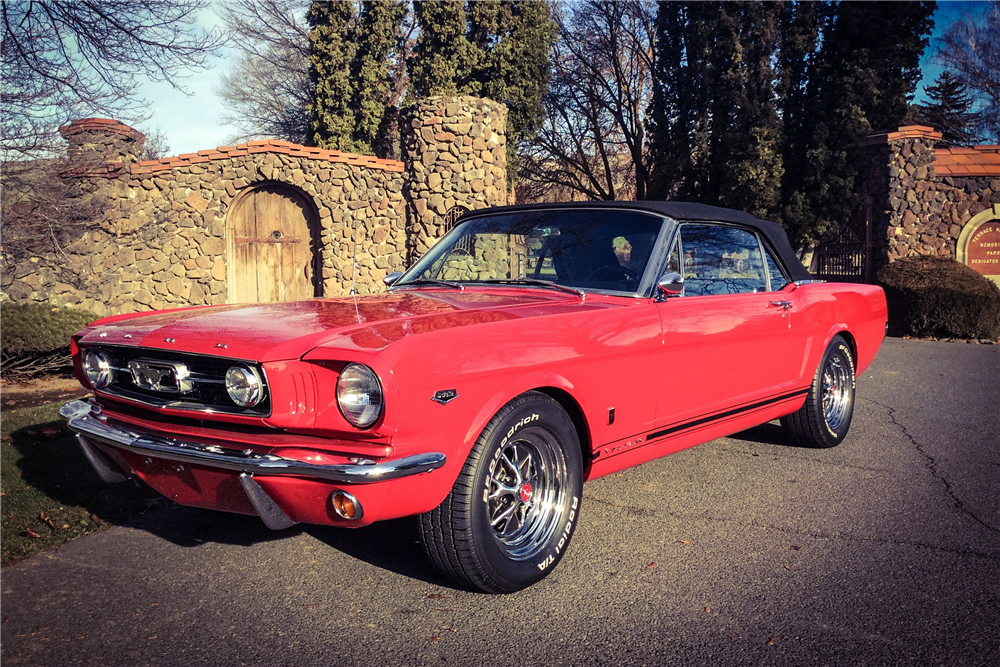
50 494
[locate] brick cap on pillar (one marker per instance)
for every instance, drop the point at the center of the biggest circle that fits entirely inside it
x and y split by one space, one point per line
105 125
907 132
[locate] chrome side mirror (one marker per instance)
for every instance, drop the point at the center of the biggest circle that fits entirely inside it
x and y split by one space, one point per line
670 284
392 277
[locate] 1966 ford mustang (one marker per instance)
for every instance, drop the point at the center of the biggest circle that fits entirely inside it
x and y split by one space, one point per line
533 348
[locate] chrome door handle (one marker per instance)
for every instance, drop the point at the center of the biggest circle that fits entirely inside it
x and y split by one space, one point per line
785 305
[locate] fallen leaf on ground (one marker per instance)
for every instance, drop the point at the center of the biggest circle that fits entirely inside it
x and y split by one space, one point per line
435 596
29 533
95 518
434 639
708 610
771 641
734 638
653 564
788 567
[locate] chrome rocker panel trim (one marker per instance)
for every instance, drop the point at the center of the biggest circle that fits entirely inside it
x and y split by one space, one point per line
81 418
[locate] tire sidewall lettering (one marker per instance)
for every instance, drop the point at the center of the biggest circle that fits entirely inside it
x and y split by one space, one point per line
499 451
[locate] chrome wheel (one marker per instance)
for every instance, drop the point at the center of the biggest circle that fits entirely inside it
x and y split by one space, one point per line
837 389
527 486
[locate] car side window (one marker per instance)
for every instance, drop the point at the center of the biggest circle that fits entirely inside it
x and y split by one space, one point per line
719 259
776 273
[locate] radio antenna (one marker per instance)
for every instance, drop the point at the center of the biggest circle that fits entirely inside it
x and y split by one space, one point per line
354 253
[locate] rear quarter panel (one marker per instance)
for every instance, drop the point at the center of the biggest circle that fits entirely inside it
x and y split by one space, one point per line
823 310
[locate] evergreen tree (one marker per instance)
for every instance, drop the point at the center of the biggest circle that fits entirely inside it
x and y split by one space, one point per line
948 111
511 42
862 75
800 27
715 129
443 58
498 50
332 47
379 39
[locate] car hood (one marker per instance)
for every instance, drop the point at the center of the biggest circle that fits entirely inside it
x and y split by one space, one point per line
276 331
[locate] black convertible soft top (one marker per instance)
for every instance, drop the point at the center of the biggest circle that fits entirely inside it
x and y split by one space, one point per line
684 212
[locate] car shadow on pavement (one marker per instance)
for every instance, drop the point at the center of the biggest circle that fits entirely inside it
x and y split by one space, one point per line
392 545
768 434
192 526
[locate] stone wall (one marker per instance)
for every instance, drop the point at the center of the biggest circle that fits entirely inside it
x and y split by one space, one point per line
454 149
923 196
164 240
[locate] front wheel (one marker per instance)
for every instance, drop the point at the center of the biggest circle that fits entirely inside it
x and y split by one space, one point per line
509 518
826 416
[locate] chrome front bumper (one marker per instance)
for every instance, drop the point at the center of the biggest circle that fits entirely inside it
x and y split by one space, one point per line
91 426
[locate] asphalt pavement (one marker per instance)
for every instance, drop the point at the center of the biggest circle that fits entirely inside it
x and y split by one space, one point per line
746 550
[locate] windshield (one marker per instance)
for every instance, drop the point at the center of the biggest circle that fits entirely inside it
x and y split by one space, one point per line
597 249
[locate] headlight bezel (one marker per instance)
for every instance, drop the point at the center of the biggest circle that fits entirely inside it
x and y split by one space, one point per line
102 372
254 384
359 379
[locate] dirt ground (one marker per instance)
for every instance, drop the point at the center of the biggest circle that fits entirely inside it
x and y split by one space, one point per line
31 393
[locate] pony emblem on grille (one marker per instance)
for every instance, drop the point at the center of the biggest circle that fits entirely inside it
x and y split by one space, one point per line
165 376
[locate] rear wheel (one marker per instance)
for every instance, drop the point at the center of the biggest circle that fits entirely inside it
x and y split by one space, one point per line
826 416
509 518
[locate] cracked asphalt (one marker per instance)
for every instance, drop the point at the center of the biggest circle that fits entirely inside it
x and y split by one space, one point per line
745 550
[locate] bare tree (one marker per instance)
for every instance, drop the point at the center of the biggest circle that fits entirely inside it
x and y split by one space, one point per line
970 50
267 88
156 145
67 59
592 141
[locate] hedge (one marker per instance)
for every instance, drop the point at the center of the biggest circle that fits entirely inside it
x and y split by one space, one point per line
937 296
34 337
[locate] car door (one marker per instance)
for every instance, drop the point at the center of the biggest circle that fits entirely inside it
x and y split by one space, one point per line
726 338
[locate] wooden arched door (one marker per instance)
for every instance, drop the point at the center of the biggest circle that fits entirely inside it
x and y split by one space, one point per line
272 246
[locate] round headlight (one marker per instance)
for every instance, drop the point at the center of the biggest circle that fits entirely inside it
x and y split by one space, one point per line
97 366
244 386
359 395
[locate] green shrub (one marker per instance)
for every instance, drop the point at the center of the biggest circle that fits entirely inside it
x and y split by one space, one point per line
39 327
937 296
34 337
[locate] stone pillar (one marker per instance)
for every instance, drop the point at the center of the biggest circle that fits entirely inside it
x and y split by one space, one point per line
100 140
454 152
897 172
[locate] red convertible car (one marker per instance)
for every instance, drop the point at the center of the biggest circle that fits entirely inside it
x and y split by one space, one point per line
533 348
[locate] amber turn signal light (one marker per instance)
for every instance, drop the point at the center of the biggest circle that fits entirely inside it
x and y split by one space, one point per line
346 506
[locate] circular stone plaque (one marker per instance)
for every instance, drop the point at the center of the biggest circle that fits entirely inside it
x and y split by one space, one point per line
978 245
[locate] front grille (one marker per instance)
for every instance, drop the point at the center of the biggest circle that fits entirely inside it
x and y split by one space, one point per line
207 374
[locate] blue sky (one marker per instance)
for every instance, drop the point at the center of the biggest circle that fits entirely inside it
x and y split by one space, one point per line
193 122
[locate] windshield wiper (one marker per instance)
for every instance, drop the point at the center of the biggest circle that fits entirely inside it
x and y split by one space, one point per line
537 283
432 281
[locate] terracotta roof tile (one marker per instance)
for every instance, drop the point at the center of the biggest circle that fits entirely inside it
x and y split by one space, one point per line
239 150
962 161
